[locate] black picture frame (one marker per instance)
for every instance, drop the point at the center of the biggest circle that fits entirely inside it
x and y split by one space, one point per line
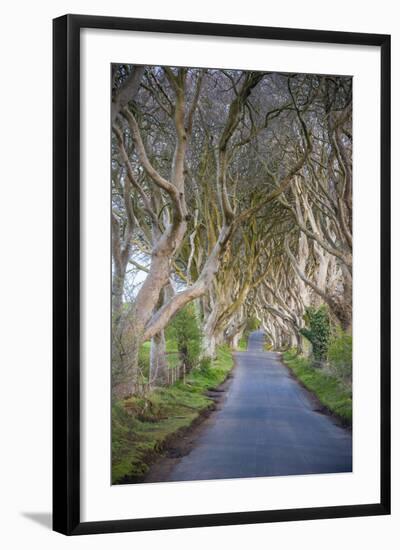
66 272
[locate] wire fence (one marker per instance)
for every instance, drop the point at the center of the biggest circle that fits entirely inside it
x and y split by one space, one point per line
176 369
175 373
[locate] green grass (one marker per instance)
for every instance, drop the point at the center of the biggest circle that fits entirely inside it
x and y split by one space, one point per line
243 342
142 426
330 391
173 359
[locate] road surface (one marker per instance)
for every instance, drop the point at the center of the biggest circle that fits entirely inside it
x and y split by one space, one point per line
267 425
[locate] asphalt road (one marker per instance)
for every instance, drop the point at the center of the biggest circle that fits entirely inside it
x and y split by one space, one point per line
267 425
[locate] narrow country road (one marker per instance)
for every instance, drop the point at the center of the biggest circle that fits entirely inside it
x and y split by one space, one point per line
267 425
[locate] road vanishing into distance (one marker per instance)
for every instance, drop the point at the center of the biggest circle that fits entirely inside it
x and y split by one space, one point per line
266 424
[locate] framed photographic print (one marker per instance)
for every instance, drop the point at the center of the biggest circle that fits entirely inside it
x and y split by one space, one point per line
221 274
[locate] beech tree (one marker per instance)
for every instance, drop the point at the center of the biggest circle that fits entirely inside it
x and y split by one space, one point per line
231 189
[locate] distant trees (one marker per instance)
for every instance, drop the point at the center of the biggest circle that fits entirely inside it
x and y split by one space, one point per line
231 190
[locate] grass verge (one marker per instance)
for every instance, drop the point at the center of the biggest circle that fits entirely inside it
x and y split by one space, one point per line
329 390
243 342
143 426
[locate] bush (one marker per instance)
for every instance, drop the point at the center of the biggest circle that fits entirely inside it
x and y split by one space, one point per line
205 365
252 324
318 331
184 329
340 355
330 390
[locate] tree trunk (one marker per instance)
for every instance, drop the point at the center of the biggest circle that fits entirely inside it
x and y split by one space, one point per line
209 332
235 335
117 294
234 344
125 359
299 343
158 360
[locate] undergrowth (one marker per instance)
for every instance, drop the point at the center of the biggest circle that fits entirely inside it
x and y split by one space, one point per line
330 390
142 426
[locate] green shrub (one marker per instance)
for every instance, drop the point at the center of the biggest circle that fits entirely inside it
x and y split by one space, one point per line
252 324
317 331
184 329
330 390
243 342
340 355
205 365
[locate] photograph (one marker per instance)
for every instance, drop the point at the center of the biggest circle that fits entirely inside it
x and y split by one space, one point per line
231 269
200 353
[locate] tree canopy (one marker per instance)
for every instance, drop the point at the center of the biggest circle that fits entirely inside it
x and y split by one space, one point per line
231 191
